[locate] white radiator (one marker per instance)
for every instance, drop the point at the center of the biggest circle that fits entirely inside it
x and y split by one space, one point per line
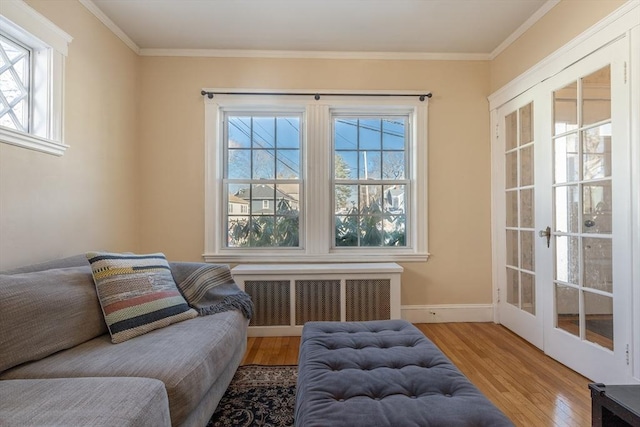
287 296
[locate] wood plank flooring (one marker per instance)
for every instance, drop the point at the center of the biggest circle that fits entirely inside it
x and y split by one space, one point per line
529 387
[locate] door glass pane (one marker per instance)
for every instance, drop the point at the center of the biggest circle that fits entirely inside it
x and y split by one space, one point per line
596 152
526 124
526 208
512 208
599 319
519 209
597 262
528 292
567 202
565 109
513 291
512 248
511 131
596 207
526 166
567 259
528 250
567 309
596 96
566 166
511 170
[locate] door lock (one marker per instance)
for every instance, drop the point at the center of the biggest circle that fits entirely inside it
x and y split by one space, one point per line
546 233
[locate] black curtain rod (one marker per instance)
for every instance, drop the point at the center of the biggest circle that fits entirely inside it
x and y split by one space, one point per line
317 96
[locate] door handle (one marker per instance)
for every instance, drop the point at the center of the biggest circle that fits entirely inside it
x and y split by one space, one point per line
546 233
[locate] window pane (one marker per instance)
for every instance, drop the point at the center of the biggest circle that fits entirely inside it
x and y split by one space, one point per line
393 134
512 248
394 197
526 122
513 287
371 230
511 131
567 202
394 230
239 130
567 259
263 164
528 288
346 165
596 205
526 208
370 199
598 267
596 96
346 230
288 164
239 164
526 166
263 132
567 309
511 170
288 131
346 199
596 151
565 109
370 134
393 165
599 319
346 134
566 158
370 165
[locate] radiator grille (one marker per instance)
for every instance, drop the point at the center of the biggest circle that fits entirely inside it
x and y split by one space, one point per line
272 302
317 300
368 299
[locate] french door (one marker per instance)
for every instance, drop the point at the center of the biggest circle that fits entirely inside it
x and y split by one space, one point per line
565 276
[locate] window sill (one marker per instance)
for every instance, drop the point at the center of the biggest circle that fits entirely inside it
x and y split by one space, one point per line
32 142
275 257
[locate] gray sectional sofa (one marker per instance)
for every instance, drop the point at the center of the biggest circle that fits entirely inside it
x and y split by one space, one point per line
58 365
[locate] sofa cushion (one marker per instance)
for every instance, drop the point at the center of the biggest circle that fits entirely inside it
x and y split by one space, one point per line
137 293
188 357
30 329
126 402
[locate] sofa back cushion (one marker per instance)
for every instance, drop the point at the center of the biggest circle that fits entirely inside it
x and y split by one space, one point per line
46 311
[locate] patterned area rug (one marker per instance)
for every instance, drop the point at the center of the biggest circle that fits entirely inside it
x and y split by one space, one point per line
258 395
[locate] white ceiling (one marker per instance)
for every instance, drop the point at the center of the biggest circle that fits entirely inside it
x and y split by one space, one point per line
364 26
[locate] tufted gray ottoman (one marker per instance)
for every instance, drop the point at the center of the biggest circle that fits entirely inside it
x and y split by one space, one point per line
383 373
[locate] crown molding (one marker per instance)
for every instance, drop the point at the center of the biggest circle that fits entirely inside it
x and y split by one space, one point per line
286 54
544 9
91 7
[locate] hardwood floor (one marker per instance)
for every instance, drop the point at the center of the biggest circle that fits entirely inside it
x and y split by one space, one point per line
529 387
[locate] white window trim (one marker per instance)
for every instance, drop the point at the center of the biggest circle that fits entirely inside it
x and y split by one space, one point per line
50 47
317 222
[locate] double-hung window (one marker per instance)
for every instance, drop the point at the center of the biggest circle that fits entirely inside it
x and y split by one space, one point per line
295 179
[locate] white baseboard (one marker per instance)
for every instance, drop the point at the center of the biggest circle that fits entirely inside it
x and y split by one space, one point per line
444 313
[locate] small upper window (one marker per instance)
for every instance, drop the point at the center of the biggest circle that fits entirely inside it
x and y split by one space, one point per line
32 52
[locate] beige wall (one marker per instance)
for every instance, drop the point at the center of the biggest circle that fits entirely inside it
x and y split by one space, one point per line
563 23
172 166
57 206
133 177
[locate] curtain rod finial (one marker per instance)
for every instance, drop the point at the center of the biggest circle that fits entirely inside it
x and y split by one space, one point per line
209 94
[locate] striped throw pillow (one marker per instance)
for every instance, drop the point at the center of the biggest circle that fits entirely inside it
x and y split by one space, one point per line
137 293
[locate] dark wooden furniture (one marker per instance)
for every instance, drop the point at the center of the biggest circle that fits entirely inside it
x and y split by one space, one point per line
615 405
